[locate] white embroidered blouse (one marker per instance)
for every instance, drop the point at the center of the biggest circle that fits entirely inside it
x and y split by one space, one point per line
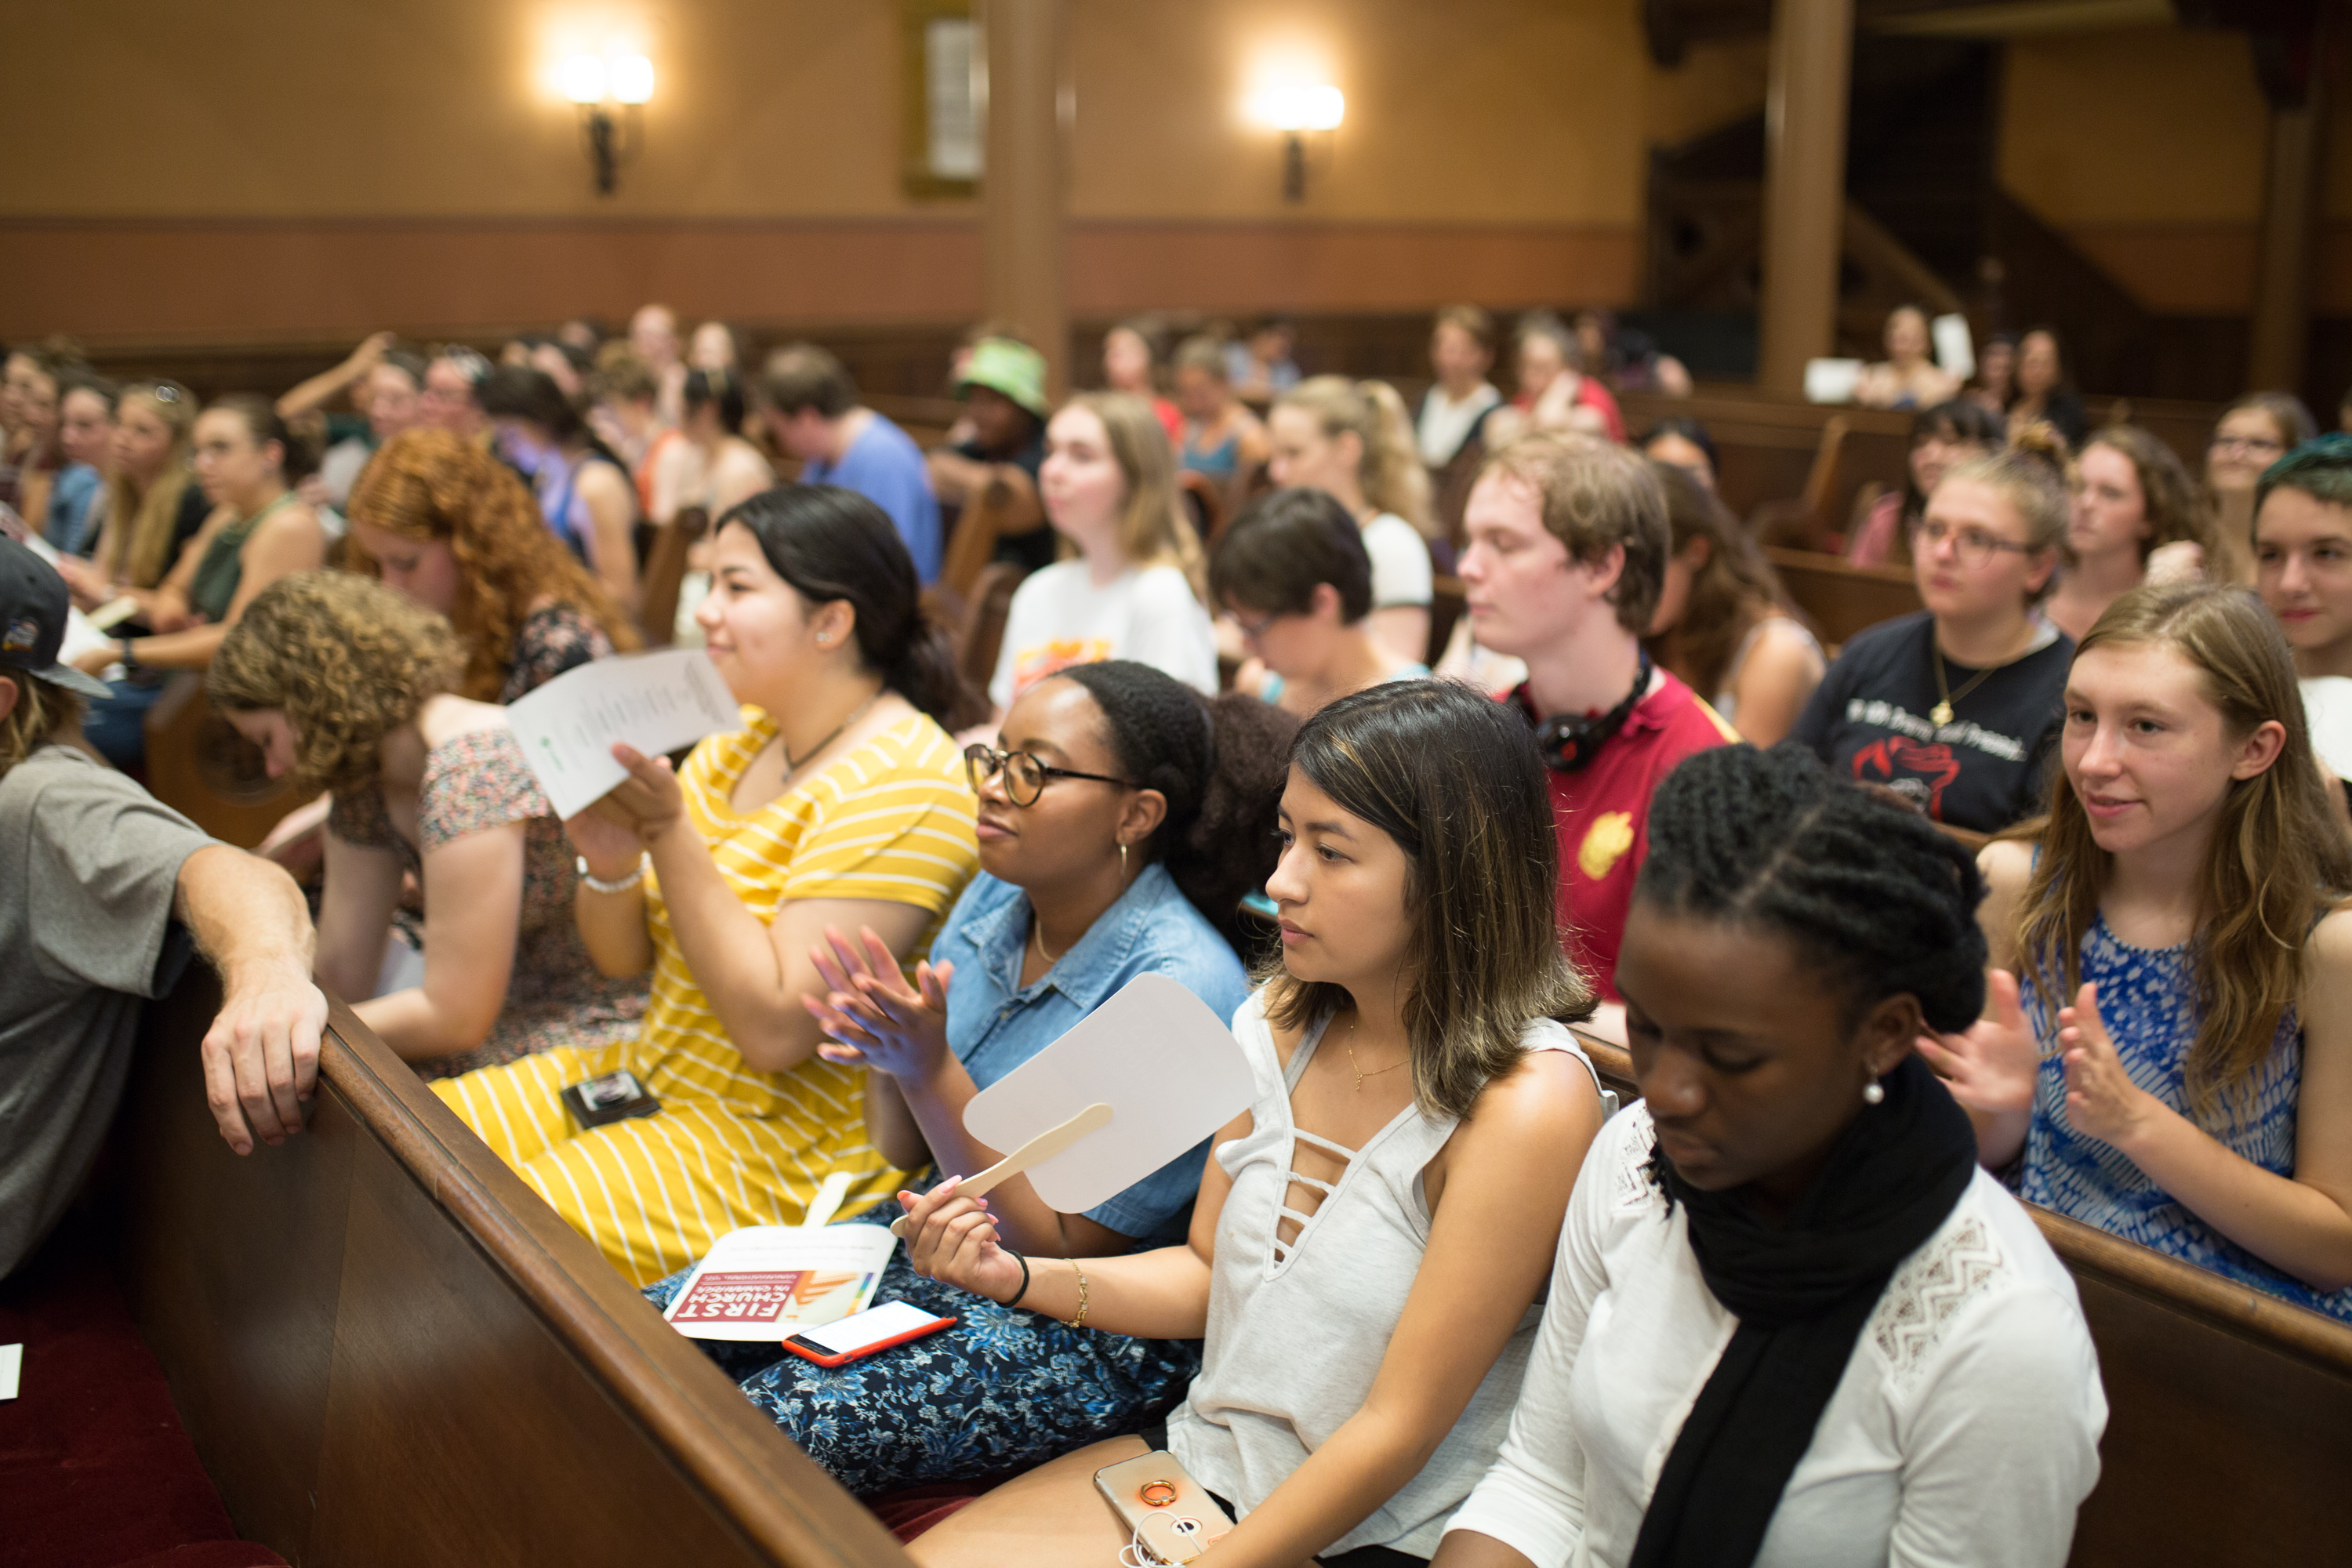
1966 1429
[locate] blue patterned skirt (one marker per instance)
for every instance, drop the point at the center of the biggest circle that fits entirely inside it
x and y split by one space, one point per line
1005 1390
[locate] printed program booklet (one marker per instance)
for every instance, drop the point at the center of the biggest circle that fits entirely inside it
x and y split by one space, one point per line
765 1281
654 702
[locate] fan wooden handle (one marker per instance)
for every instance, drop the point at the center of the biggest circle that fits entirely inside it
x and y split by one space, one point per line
1038 1149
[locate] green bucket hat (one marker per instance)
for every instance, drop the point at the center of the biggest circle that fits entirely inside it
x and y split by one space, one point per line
1016 370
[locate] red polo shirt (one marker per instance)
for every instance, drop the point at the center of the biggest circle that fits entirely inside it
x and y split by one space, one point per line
1602 813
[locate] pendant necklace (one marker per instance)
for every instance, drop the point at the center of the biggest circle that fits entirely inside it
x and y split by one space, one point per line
1941 713
1360 1074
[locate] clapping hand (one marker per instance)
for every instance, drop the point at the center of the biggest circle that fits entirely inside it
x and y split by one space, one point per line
871 1014
2102 1100
953 1240
1989 1067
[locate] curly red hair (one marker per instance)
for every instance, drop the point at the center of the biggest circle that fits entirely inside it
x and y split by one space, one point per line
429 484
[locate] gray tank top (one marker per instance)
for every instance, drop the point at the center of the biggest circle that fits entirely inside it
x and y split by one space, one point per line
1297 1333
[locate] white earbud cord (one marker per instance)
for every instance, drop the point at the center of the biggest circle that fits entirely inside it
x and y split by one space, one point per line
1136 1555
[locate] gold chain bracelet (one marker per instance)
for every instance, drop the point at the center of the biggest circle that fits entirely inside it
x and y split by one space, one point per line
1080 1321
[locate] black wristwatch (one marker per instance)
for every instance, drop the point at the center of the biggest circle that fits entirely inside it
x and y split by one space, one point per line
129 659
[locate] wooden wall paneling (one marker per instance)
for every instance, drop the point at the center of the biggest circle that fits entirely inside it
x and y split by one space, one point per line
388 1351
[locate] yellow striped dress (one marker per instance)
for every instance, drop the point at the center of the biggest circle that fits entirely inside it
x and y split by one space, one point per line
732 1146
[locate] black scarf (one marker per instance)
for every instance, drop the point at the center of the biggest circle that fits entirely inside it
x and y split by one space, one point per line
1802 1293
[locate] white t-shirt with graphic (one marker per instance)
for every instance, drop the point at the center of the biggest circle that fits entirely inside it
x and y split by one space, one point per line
1061 617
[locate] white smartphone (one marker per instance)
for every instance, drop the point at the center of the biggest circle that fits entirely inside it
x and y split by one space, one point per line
1163 1507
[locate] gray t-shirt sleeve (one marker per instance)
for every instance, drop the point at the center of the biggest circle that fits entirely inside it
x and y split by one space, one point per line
104 857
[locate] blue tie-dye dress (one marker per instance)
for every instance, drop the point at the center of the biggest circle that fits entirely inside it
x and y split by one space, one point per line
2148 1000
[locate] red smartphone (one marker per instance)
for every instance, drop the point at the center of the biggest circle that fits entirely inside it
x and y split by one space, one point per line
864 1333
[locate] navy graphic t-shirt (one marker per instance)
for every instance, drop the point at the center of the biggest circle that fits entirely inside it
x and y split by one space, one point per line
1869 720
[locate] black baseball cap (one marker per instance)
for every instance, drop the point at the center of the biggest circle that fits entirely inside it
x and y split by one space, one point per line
34 605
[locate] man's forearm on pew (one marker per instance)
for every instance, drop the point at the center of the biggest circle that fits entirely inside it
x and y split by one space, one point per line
261 1055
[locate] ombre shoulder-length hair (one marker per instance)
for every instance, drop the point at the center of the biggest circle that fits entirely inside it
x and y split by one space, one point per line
1453 778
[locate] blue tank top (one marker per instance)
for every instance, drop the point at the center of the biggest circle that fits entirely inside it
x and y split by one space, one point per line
1218 461
2148 1000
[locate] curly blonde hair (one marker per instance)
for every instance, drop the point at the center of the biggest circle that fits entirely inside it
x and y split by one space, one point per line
345 658
429 484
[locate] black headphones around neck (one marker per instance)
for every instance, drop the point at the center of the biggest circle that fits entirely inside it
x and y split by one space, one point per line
1567 743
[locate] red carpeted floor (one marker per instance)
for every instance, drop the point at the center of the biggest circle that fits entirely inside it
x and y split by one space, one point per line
95 1470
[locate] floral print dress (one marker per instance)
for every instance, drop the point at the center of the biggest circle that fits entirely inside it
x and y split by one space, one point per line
1006 1389
555 995
548 642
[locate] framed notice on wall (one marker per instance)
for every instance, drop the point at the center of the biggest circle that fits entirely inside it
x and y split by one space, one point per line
943 99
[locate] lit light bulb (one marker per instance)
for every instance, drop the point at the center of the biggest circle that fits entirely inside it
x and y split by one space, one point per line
582 79
1301 108
632 78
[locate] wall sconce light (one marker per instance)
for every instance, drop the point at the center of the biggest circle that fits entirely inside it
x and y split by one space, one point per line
596 83
1295 110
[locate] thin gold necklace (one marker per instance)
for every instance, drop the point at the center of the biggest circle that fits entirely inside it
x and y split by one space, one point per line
1941 713
1037 936
1360 1074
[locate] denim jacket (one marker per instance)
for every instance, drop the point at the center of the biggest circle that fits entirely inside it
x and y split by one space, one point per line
995 1023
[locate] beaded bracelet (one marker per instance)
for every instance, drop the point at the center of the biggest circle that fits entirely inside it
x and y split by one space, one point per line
618 885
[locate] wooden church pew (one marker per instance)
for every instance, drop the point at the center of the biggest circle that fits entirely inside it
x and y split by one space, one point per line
664 572
2229 1434
1008 504
202 768
389 1352
1841 598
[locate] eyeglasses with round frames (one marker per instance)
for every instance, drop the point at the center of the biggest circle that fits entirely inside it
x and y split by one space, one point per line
1973 546
1024 776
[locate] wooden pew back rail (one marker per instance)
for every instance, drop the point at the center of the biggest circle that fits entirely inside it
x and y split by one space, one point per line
389 1352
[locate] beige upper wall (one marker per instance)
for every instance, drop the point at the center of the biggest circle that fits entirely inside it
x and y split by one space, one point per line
402 108
2151 126
1531 112
1475 110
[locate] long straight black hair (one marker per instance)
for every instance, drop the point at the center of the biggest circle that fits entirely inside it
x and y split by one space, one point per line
832 543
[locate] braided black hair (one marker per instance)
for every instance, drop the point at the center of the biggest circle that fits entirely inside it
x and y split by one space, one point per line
1872 892
1221 764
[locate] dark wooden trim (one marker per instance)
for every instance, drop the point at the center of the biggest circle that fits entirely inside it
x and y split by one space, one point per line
2183 1288
778 1495
309 1305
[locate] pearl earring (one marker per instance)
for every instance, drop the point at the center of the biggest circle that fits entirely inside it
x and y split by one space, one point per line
1873 1092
